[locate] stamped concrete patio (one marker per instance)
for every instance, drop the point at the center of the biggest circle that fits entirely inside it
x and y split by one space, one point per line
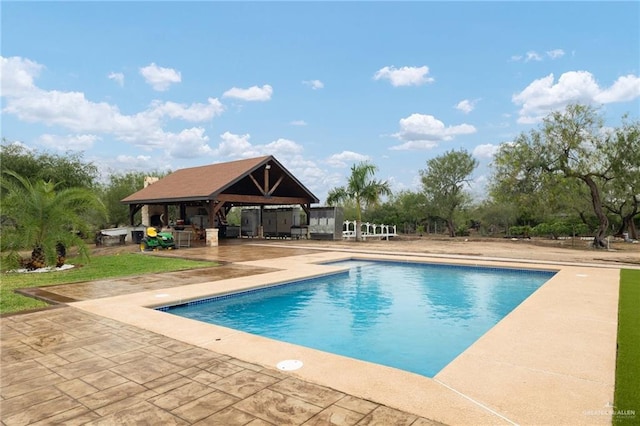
108 359
66 366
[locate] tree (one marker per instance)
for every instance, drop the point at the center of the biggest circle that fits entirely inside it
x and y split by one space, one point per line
622 194
120 186
69 171
571 145
40 217
406 210
496 216
361 189
533 195
443 184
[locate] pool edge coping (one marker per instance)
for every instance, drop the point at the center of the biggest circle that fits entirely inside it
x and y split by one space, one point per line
134 309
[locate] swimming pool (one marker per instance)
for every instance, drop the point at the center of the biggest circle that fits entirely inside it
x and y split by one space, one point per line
412 316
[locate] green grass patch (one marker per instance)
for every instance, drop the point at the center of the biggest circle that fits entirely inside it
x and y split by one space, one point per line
99 267
627 393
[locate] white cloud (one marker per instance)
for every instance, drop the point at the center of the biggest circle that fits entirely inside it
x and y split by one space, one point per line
17 74
196 112
90 122
68 143
118 77
70 110
314 84
346 159
130 162
555 53
466 105
426 131
189 143
284 146
253 93
298 123
160 78
625 88
131 159
235 146
485 150
415 146
544 95
396 185
74 112
532 56
232 145
315 178
405 76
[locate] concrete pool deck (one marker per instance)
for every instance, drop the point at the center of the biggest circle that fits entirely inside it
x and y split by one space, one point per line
551 361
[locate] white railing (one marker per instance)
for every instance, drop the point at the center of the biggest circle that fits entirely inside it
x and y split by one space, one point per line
368 230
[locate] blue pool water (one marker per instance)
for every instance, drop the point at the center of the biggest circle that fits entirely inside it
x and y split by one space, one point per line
410 316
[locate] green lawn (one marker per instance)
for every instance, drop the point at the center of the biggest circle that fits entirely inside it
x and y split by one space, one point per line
627 393
99 267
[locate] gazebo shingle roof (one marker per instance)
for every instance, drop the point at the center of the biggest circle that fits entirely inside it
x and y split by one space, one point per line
206 182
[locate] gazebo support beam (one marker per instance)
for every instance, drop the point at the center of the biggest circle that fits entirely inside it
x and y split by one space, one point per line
260 200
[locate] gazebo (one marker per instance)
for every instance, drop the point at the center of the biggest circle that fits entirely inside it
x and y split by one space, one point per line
214 189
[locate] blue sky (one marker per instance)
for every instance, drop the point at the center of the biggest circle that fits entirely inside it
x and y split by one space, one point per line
319 85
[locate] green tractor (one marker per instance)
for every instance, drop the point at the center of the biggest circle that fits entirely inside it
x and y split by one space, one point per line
155 240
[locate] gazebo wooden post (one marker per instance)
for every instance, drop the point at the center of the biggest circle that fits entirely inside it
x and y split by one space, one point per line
165 221
133 209
211 205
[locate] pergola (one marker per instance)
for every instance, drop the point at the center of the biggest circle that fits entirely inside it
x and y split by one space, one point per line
260 181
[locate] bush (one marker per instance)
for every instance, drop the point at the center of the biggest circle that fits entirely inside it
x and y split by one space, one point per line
462 231
520 231
559 229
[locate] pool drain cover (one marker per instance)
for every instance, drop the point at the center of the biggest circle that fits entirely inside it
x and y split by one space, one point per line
289 365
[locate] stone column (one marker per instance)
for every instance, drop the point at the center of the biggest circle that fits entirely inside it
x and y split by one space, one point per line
212 237
145 216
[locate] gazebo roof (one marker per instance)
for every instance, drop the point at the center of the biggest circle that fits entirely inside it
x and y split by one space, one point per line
254 181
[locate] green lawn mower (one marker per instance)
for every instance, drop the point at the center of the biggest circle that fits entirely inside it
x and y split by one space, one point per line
157 240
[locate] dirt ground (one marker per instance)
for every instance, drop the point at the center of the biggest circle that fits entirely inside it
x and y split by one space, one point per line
619 252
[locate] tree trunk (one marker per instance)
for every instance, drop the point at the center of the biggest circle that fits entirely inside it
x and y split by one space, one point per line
452 228
583 218
627 220
629 226
603 221
633 232
358 219
623 226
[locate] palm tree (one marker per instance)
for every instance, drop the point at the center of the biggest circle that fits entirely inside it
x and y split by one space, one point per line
362 189
35 216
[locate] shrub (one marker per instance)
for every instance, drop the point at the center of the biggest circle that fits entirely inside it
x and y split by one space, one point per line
520 231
